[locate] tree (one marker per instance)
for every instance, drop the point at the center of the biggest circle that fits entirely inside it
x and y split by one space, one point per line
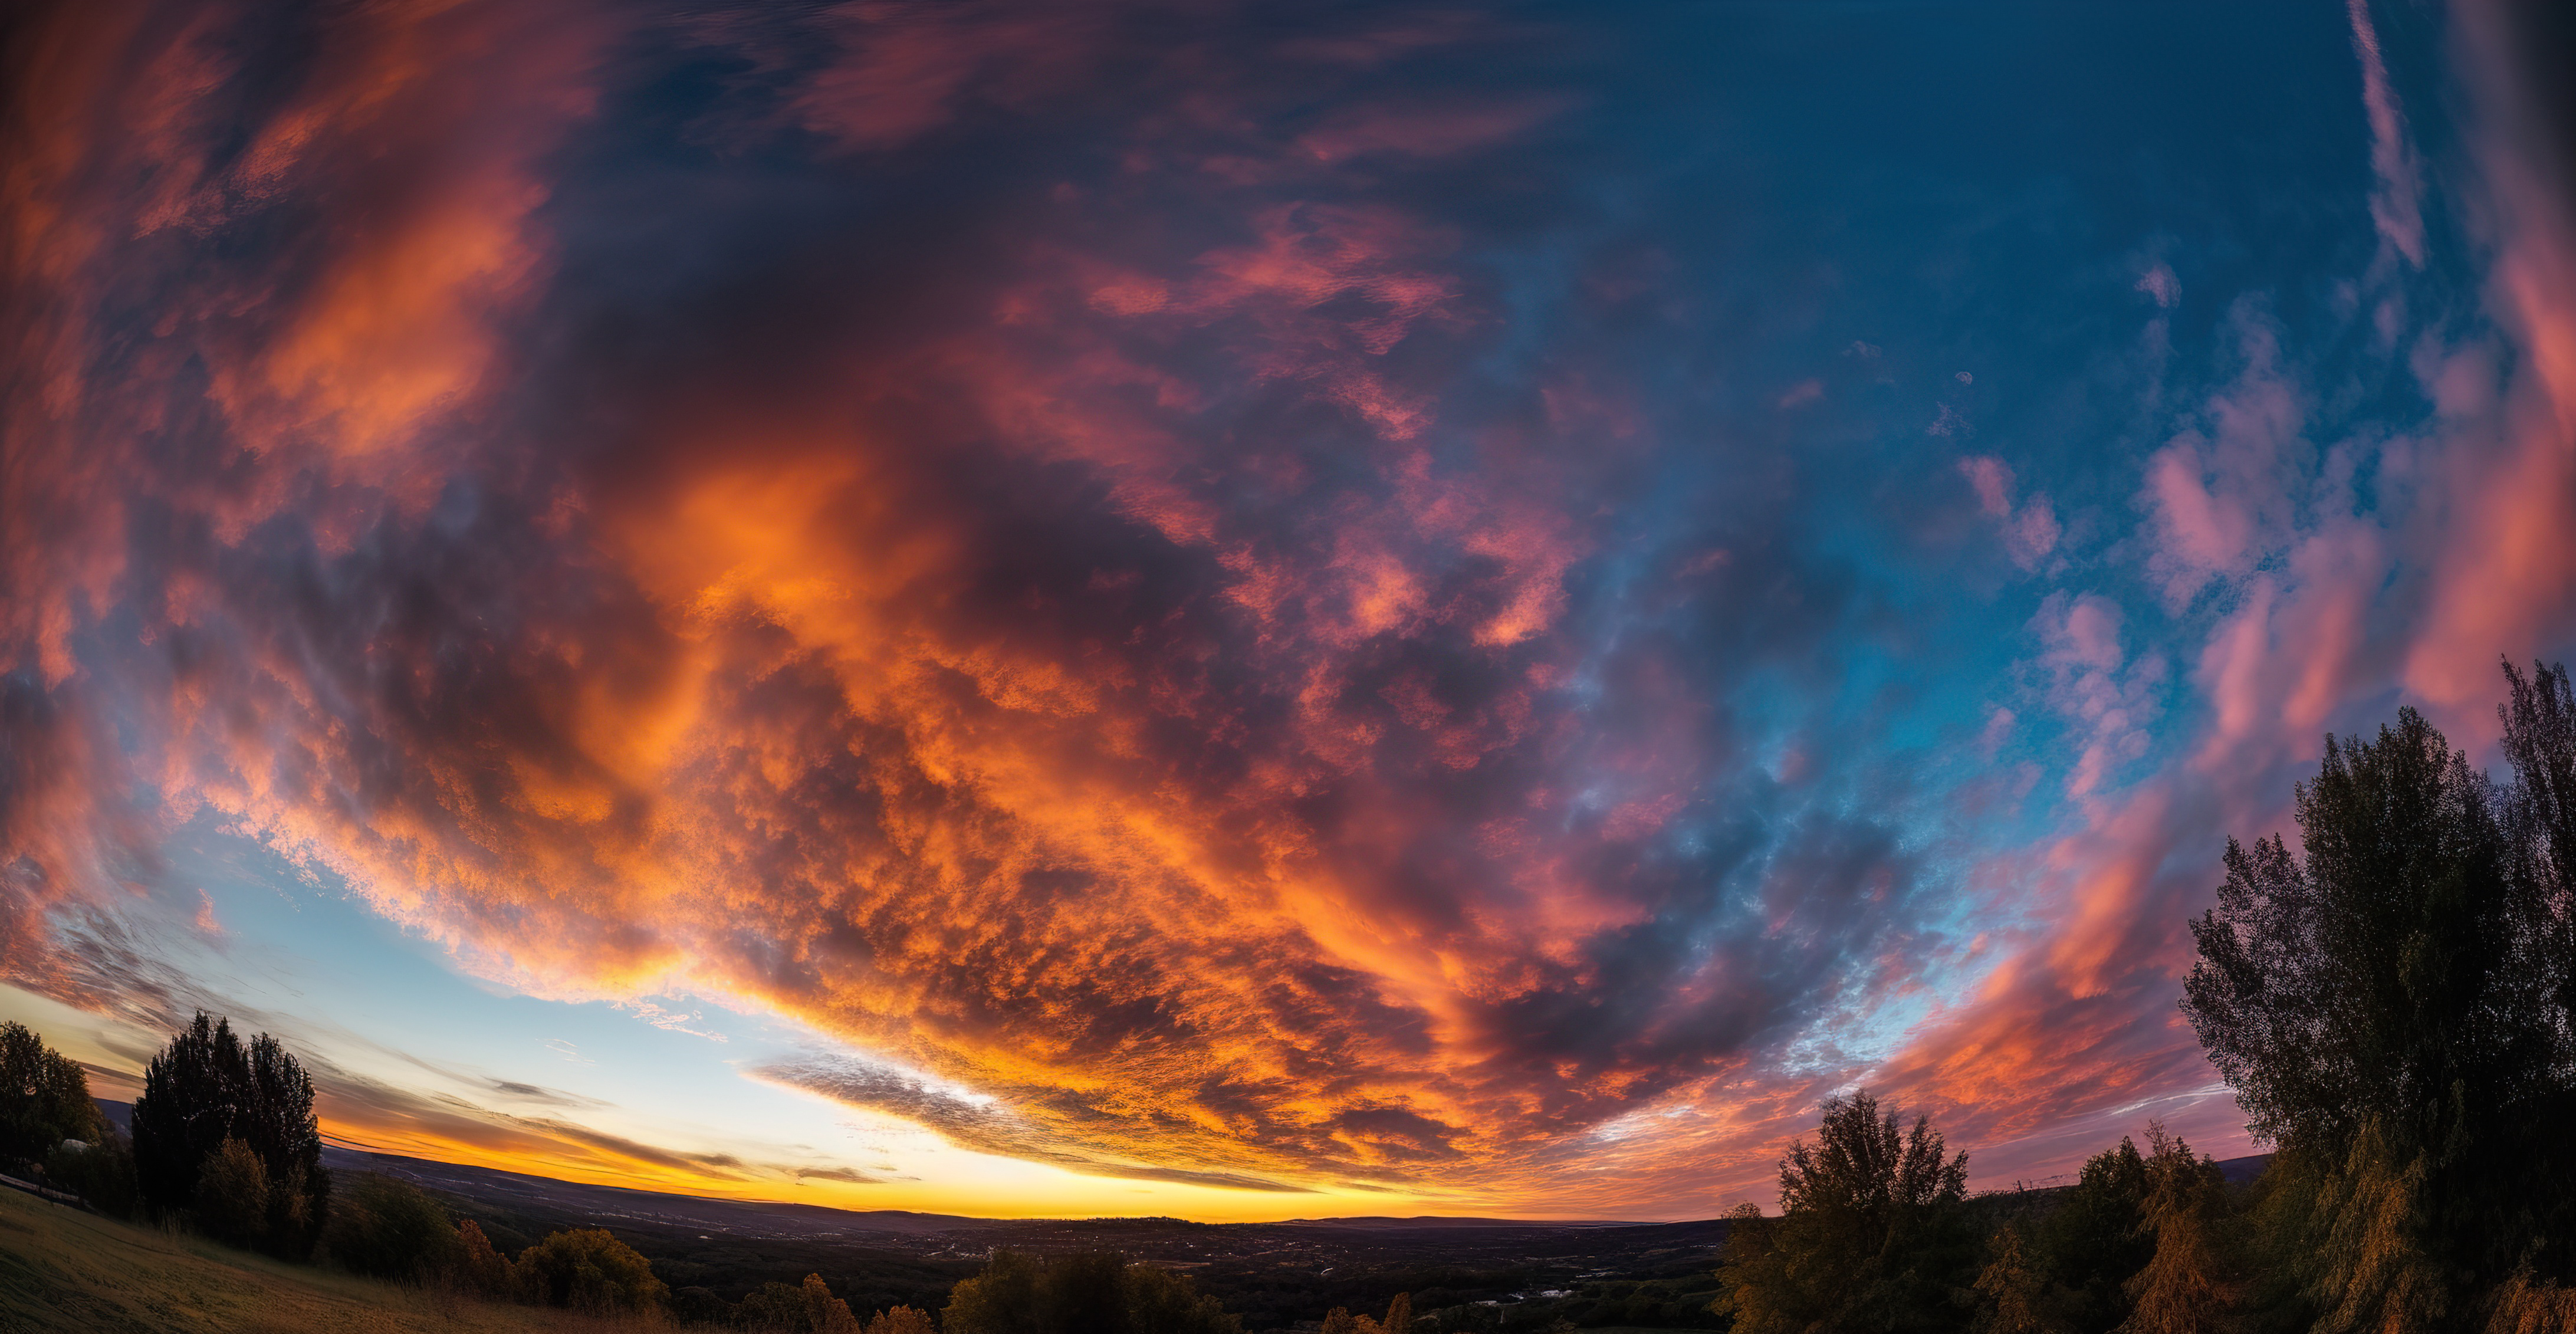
1090 1293
2010 1292
2181 1290
2355 979
232 1195
587 1270
385 1227
1399 1319
1004 1299
1871 1234
479 1267
1155 1300
806 1308
2539 741
206 1088
2092 1243
900 1320
2395 1005
44 1097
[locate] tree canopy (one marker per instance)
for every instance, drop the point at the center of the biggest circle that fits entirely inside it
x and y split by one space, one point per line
44 1096
207 1087
2394 1002
1871 1235
1084 1293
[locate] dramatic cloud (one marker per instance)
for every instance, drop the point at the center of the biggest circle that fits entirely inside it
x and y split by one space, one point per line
1218 602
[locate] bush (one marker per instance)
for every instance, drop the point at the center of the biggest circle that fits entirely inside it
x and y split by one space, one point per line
101 1173
808 1308
386 1227
232 1195
479 1267
588 1270
700 1306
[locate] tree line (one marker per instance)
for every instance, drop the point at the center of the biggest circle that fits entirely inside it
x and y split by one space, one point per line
2393 1002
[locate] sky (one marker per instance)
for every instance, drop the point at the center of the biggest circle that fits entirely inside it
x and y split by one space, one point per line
1238 611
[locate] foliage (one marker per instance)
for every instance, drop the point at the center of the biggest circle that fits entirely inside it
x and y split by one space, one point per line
2183 1288
385 1227
2523 1306
1871 1235
588 1270
806 1308
44 1097
1084 1293
205 1088
479 1267
2395 1005
2092 1243
901 1320
100 1172
1399 1319
2010 1291
232 1195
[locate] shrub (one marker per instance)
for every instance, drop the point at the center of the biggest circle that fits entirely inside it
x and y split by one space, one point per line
479 1266
232 1195
588 1270
386 1227
700 1306
808 1308
101 1173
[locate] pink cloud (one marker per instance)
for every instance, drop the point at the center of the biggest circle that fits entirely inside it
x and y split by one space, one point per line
2031 532
2159 282
2396 205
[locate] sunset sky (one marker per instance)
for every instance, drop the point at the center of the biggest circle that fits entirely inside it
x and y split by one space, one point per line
1229 610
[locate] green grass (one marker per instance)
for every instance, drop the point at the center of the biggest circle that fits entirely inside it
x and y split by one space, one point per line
62 1269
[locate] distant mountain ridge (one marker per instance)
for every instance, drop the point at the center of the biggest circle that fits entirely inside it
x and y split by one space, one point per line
550 1196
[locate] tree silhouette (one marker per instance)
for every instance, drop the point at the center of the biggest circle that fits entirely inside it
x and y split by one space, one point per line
2395 1005
588 1270
2181 1290
206 1088
44 1096
2092 1242
1871 1234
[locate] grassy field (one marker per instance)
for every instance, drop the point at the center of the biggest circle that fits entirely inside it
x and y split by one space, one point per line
61 1269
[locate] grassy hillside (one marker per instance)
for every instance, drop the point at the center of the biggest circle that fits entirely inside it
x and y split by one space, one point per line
61 1269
